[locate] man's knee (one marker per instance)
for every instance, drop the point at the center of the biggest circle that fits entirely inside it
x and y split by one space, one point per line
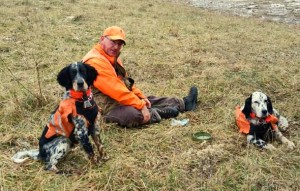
125 116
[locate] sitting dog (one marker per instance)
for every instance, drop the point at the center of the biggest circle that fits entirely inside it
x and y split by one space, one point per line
261 122
72 121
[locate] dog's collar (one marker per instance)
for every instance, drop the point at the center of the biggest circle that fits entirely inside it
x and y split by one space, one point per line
85 96
270 119
80 95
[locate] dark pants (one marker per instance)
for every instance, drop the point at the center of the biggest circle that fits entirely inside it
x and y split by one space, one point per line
128 116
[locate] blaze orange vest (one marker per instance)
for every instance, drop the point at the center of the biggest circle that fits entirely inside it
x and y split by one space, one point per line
95 54
59 123
244 125
111 83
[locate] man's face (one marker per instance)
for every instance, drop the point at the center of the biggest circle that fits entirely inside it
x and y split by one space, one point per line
111 47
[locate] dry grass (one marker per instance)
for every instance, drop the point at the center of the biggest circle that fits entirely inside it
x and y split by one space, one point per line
171 46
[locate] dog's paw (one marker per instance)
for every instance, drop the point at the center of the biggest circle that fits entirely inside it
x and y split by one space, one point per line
98 160
269 147
291 145
93 159
51 168
104 157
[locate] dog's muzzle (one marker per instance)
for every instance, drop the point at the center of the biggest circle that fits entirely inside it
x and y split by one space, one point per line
80 84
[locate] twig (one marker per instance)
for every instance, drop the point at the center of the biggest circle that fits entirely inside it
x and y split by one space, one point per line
37 75
15 78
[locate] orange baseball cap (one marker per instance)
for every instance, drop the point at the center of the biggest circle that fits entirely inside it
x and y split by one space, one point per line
115 33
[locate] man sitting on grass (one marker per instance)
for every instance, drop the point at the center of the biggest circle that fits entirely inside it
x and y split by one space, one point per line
121 101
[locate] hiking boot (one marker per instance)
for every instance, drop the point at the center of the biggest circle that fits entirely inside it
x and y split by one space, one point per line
155 117
167 112
190 101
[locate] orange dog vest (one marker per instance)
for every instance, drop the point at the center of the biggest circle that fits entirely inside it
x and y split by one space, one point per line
59 123
244 125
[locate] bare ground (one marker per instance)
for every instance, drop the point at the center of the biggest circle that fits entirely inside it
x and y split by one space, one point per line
287 11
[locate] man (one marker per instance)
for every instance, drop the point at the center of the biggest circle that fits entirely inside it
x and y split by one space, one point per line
121 101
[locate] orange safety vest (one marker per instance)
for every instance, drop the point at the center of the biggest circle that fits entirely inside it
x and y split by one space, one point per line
244 125
59 123
109 83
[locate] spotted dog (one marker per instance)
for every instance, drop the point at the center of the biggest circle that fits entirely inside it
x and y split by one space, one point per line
261 122
72 122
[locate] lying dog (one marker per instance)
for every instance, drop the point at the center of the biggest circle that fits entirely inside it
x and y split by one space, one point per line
72 121
261 122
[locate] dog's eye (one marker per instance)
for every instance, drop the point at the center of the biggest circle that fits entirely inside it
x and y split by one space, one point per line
256 102
74 72
82 71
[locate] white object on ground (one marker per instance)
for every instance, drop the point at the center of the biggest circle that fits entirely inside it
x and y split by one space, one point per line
182 122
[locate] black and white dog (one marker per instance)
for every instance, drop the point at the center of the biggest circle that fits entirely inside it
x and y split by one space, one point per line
72 121
265 122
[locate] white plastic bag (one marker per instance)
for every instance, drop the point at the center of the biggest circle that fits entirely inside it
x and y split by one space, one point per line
182 122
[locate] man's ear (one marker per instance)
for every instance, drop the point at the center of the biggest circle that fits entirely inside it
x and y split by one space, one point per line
101 39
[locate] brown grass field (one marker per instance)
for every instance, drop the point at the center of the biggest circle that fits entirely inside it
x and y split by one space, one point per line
170 46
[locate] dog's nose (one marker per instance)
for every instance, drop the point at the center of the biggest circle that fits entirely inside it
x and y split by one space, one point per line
264 112
80 83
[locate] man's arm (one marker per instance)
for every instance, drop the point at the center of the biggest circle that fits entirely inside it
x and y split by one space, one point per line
109 84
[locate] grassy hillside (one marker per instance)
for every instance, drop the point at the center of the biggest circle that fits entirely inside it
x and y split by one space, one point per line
170 46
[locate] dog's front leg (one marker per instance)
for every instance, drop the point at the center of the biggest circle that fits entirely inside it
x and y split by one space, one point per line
283 139
98 142
260 143
81 134
283 123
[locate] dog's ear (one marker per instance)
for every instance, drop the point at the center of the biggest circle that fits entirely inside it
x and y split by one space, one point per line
269 105
247 107
91 74
64 78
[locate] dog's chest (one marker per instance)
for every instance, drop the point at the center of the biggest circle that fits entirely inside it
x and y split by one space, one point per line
257 121
261 130
89 113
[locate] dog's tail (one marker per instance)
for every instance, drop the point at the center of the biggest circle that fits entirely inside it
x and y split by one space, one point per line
22 156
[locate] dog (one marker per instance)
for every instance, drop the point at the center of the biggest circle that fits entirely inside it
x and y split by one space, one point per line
71 122
261 122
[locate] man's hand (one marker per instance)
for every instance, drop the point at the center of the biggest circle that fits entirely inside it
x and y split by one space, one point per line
146 114
148 104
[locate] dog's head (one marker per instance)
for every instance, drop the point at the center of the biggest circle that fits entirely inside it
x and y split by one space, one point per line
258 103
77 76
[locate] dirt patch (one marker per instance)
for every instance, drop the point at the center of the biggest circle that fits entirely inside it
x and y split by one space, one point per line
287 11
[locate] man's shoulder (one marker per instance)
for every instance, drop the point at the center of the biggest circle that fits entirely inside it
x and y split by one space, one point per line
99 63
